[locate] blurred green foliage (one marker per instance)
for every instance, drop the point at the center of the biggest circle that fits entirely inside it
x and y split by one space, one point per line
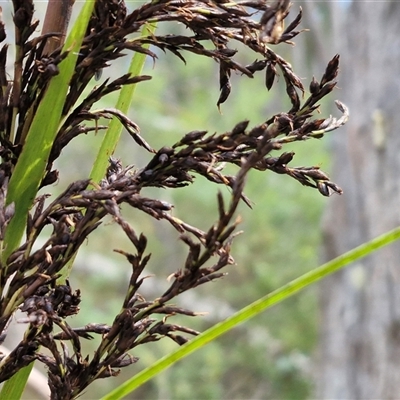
269 357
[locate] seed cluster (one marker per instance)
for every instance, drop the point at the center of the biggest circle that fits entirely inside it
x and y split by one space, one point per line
29 279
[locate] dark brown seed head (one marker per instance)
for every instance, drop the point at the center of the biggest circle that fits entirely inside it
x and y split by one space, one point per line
314 86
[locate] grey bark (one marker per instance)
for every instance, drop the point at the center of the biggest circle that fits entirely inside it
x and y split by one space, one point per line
359 349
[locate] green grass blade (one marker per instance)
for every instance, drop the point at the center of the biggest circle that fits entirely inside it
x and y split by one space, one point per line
114 130
252 310
31 164
14 387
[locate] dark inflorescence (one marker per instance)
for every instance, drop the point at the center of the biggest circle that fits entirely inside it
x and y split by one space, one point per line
30 276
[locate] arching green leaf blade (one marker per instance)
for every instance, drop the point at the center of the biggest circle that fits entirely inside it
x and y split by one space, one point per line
252 310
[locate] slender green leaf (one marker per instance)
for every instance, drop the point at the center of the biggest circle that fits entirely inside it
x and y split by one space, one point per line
114 130
13 388
111 138
29 171
252 310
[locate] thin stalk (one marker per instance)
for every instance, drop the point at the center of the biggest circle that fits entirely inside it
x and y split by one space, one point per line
114 130
16 90
113 133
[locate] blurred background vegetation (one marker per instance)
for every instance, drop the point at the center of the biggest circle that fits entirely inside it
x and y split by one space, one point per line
269 357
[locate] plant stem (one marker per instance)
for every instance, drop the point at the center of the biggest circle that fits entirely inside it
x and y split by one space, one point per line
113 134
58 14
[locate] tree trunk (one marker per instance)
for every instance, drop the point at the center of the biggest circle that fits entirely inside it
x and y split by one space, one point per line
359 350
